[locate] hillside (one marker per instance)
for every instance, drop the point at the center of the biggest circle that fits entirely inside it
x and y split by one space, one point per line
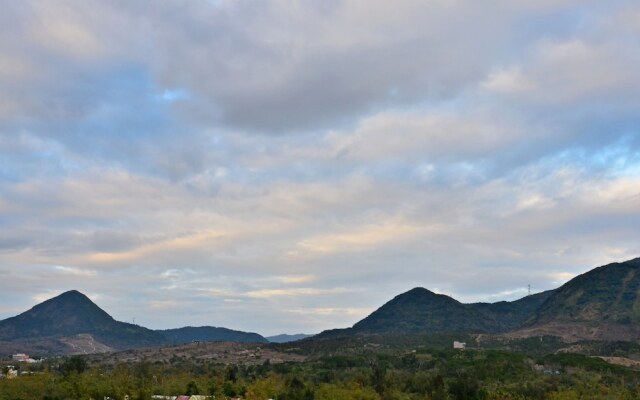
422 311
209 334
72 324
72 313
285 338
224 353
509 315
601 304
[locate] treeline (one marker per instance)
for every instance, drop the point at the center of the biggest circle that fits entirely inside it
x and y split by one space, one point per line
406 375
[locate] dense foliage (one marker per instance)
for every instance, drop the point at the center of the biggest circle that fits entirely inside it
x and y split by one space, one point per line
389 373
604 296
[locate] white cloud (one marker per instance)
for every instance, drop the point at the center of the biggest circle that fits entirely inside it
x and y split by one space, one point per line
508 81
291 166
75 271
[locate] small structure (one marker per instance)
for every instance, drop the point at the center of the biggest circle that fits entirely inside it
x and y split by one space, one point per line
12 373
20 357
459 345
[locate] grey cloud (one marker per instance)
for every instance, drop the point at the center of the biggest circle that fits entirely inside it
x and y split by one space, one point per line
275 67
434 147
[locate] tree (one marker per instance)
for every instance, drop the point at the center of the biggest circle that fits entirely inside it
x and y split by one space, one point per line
192 389
73 364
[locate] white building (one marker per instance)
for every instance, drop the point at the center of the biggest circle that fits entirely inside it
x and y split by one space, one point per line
459 345
20 357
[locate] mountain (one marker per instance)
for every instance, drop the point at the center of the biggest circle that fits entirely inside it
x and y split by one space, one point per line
601 304
209 334
285 338
72 313
421 311
71 323
509 315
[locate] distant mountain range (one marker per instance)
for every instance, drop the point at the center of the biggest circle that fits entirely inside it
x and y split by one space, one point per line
285 338
602 304
72 323
190 334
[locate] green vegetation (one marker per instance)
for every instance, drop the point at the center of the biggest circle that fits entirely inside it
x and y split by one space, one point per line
605 295
388 372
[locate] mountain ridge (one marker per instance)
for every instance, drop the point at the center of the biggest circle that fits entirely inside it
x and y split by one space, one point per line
72 313
600 304
190 334
71 322
420 310
287 338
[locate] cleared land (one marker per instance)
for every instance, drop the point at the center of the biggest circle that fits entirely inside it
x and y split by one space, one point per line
217 352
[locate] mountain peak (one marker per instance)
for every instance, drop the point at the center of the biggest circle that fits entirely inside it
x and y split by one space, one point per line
70 303
420 291
72 292
72 295
420 309
66 314
73 313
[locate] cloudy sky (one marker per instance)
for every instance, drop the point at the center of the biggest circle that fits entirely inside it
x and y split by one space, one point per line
289 166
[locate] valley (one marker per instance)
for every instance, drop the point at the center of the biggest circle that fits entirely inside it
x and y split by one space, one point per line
581 340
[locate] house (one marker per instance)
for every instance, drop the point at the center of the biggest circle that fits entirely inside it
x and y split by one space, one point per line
20 357
459 345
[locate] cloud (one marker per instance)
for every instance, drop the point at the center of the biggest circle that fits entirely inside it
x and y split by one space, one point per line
75 271
291 166
508 81
297 279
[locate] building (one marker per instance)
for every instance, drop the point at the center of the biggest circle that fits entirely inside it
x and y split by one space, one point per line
459 345
20 357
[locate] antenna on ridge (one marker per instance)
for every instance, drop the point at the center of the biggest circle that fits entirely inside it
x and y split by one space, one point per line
529 289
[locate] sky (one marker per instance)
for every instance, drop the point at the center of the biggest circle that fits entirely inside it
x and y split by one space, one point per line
289 166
